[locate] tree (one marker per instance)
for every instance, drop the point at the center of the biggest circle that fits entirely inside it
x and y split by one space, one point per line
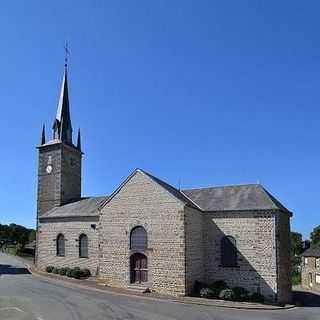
296 243
315 236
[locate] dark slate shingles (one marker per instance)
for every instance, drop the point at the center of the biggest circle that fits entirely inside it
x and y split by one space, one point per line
234 198
312 252
82 207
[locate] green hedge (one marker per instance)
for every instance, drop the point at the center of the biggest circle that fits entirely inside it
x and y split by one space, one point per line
75 272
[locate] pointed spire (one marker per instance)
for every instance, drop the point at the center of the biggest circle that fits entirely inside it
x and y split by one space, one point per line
43 135
79 140
62 128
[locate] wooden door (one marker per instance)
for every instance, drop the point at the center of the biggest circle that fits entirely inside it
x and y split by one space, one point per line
139 268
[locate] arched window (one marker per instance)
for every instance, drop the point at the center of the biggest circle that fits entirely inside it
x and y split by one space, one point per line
83 246
228 252
60 245
138 239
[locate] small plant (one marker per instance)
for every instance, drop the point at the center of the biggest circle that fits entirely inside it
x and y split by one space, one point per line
240 294
217 287
62 271
206 293
226 294
85 273
69 272
76 273
257 297
49 269
197 286
55 270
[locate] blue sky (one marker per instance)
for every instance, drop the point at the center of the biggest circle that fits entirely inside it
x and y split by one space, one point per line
205 92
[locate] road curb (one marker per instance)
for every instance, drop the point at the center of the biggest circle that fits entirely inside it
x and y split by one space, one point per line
206 303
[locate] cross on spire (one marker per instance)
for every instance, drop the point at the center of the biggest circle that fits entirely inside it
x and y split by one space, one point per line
67 53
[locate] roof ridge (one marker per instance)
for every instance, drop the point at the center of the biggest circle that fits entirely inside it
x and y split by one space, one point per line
225 186
166 185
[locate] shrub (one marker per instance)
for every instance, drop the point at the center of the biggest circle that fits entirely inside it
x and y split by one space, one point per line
69 272
85 273
62 271
217 286
240 294
206 293
226 294
49 269
76 273
257 297
55 270
197 286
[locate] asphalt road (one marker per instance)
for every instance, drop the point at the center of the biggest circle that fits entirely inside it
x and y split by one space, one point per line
30 297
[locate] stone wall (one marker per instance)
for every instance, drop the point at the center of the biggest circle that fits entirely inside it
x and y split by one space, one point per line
194 247
71 230
306 269
254 233
142 202
284 261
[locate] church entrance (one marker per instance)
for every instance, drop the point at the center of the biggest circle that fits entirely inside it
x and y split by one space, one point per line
138 268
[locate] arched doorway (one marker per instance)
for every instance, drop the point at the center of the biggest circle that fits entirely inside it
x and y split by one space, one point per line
138 268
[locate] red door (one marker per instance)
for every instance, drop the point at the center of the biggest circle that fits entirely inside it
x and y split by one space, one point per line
139 268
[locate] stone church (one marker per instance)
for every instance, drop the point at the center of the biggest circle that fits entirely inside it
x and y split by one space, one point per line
149 234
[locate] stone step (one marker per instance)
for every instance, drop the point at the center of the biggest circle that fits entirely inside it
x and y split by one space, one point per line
138 288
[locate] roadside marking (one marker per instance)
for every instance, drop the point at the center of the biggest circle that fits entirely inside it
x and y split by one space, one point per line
12 308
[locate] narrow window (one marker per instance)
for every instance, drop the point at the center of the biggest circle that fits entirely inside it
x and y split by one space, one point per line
60 245
228 252
138 239
83 246
305 261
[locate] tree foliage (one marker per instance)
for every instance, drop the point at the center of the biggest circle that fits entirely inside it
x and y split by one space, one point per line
15 232
315 236
296 243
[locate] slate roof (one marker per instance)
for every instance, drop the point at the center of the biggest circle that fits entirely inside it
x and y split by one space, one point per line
234 198
312 252
85 207
226 198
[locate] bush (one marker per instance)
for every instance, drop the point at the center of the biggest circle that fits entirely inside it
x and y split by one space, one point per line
69 272
76 273
257 297
62 271
197 286
217 286
85 273
49 269
295 277
55 270
206 293
226 294
240 294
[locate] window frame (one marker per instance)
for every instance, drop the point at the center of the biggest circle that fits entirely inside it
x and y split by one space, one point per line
138 248
225 248
81 255
60 248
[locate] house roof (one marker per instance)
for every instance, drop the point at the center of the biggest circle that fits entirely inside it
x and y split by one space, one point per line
312 252
85 207
234 198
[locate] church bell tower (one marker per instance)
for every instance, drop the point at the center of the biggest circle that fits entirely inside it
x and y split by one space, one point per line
59 171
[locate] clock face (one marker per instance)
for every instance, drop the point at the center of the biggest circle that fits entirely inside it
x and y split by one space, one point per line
49 169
